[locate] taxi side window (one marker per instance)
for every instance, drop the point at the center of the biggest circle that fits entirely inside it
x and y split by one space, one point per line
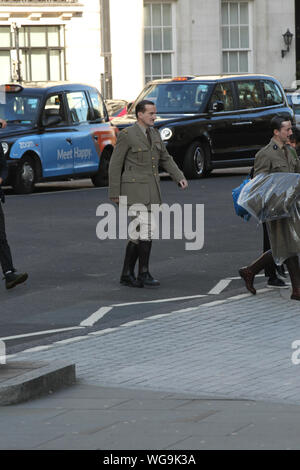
249 95
272 94
98 107
79 107
223 92
54 107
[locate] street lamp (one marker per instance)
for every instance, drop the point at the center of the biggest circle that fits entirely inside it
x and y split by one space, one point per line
15 29
287 37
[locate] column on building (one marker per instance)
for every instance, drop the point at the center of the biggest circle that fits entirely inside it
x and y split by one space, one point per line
127 48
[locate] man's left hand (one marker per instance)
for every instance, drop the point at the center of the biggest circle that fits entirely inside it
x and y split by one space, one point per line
183 184
3 123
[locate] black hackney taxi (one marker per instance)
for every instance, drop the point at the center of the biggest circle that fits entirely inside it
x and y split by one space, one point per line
212 122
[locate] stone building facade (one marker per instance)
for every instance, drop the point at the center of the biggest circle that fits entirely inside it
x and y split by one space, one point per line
118 45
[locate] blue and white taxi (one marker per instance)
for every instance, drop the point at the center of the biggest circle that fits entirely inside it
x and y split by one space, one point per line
55 132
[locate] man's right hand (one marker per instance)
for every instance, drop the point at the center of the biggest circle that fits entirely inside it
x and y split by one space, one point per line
3 123
115 200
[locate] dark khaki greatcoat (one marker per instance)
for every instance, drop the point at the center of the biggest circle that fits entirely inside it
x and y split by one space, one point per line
134 167
284 233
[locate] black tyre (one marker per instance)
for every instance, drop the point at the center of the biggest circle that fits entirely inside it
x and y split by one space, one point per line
195 164
24 179
101 178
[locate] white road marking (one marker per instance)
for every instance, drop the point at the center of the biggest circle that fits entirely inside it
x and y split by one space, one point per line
260 291
103 332
132 323
215 302
220 286
161 300
71 340
96 316
217 289
239 277
101 312
241 296
223 283
37 348
137 322
38 333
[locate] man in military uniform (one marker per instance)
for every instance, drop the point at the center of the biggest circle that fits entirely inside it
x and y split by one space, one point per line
276 157
12 278
134 173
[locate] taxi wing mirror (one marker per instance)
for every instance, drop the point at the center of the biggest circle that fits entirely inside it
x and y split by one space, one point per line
52 121
216 107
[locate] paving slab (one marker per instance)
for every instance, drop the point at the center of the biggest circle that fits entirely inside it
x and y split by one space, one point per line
151 420
25 380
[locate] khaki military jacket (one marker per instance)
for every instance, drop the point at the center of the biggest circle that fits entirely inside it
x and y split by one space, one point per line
134 167
272 159
284 233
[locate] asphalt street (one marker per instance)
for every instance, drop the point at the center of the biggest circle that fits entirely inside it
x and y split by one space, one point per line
73 284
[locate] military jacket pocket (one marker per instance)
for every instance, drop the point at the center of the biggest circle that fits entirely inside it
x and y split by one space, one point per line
139 152
136 188
280 166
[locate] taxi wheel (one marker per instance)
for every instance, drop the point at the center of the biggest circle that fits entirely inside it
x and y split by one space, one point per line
101 178
195 163
25 176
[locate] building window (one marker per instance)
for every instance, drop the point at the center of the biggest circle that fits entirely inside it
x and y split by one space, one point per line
235 37
41 52
5 48
158 36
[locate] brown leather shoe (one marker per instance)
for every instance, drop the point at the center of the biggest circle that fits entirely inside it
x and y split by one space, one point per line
296 293
248 277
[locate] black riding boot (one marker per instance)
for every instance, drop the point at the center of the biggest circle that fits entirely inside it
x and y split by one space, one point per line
248 273
144 248
127 277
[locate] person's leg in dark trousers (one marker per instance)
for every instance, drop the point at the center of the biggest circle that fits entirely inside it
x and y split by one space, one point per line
293 267
271 268
10 275
147 227
144 275
5 253
131 255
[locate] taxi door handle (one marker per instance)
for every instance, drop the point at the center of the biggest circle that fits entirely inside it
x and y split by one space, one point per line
69 140
242 123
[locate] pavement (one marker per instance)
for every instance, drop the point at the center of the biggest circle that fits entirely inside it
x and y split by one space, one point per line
220 375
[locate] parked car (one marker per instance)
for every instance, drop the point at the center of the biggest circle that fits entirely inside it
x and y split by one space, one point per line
212 122
116 108
293 99
55 132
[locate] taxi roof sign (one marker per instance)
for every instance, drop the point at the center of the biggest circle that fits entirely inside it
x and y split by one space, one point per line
182 79
12 88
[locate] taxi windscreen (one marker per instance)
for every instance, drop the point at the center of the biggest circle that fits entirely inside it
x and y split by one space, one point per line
186 97
19 109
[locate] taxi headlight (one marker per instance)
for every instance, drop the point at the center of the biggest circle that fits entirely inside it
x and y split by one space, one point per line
5 147
166 133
